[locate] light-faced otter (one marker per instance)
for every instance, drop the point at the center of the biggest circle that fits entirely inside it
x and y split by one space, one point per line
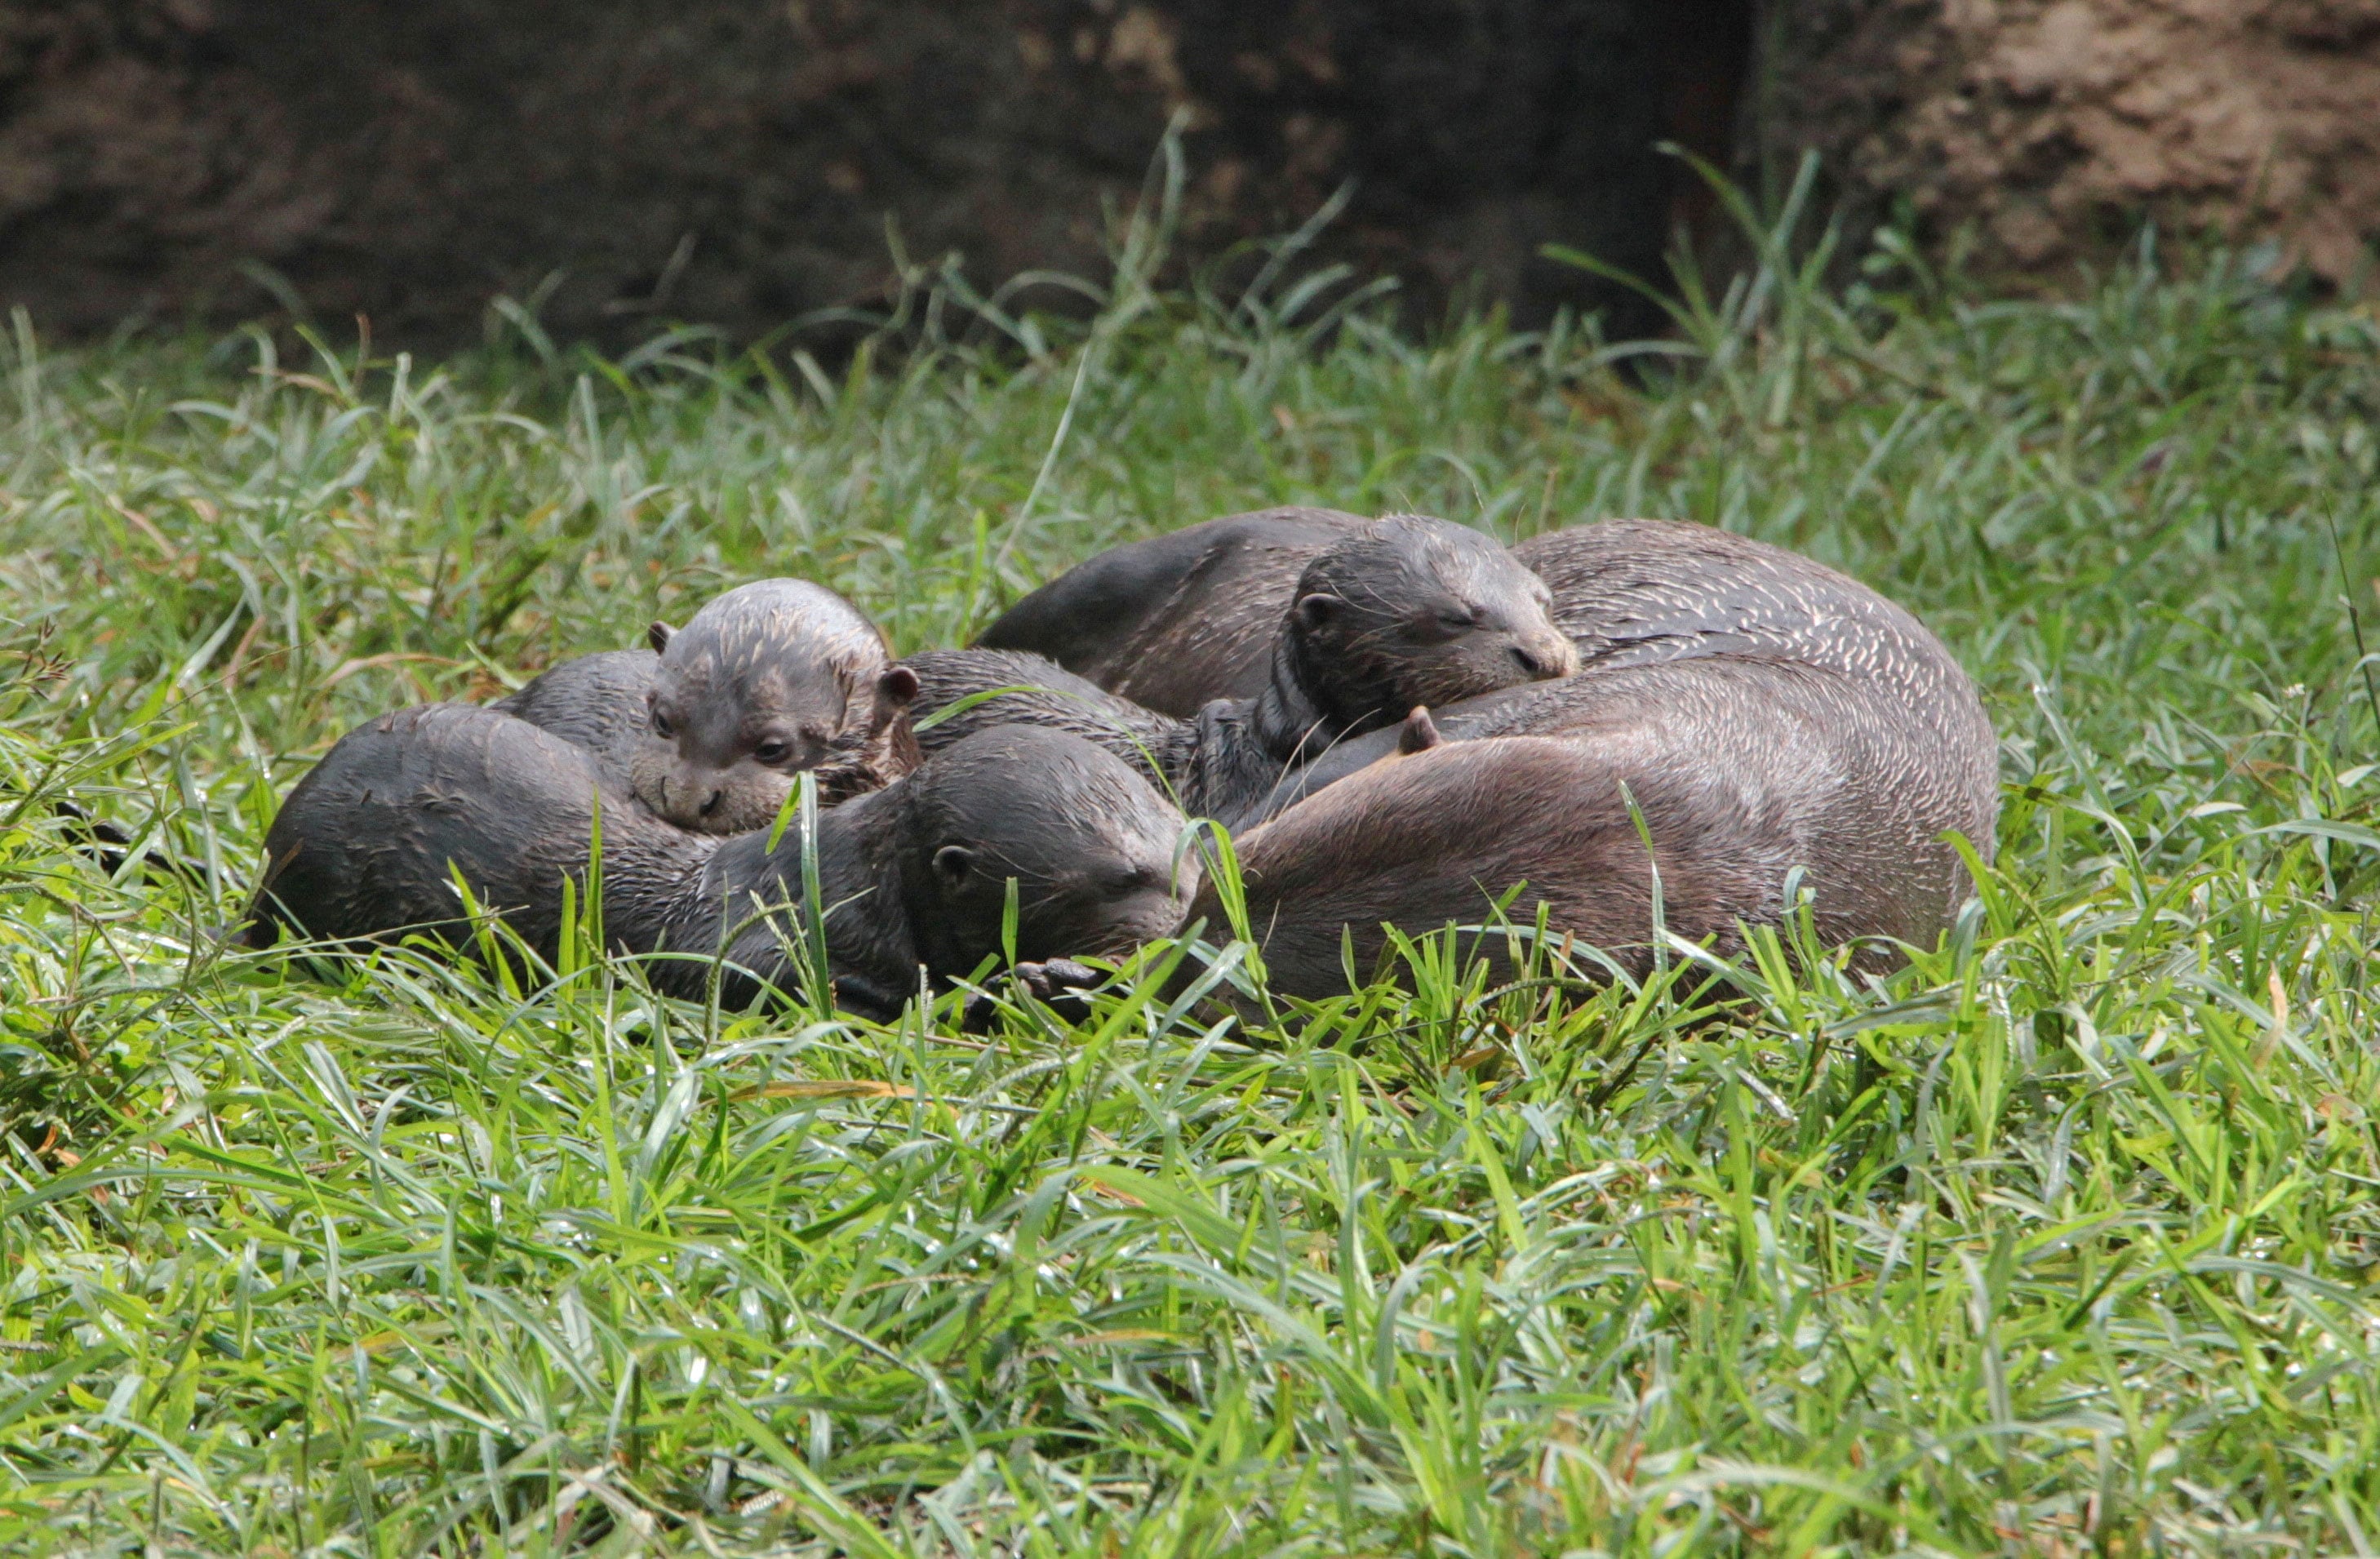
711 728
1394 613
915 874
1742 772
1195 614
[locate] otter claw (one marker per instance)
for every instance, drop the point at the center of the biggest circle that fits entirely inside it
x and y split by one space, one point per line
1061 983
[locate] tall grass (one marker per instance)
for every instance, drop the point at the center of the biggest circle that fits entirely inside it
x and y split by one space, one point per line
2064 1240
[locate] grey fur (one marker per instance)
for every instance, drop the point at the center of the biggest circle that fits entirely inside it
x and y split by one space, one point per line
365 845
780 661
602 702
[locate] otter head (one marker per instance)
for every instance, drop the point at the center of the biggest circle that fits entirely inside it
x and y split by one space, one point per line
765 682
1091 846
1415 611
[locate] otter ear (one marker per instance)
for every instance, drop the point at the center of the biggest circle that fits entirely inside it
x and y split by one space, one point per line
952 864
1314 611
658 636
1419 733
896 688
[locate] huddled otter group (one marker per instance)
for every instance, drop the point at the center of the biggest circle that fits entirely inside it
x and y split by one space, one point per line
1644 728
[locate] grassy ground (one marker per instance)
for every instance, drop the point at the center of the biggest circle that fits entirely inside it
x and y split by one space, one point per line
2066 1241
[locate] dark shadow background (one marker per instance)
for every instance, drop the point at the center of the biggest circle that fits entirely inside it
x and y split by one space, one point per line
740 162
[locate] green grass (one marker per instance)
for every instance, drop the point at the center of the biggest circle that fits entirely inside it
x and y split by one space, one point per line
2066 1241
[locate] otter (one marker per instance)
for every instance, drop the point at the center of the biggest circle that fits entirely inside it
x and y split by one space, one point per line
1766 713
1641 592
1742 772
915 875
1179 620
602 702
1188 617
1396 612
710 727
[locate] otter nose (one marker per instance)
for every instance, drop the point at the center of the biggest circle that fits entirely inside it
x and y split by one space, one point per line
1537 662
710 804
1555 653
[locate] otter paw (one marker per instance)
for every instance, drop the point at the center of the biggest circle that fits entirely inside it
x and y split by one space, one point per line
1059 983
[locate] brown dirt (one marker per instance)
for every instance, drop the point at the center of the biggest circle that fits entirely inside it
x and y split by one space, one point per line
2045 128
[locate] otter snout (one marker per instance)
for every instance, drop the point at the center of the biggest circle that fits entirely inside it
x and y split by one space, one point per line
1544 656
708 800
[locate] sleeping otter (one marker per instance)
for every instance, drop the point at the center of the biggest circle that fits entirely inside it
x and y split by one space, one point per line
1766 713
1396 612
768 680
1741 769
1179 620
915 875
1640 592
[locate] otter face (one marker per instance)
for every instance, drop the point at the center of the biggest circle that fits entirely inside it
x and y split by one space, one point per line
1090 844
764 683
1418 611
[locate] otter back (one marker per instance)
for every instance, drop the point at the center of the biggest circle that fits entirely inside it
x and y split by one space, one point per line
1743 772
1176 621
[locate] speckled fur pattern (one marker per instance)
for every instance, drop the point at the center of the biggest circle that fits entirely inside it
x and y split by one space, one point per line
1767 714
366 845
780 661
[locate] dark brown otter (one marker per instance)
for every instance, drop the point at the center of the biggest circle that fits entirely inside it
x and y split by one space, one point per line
602 702
1765 711
1641 592
766 681
915 875
1742 772
1395 613
1180 620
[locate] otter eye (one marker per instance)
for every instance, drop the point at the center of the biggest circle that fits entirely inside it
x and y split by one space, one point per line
1455 618
774 750
662 726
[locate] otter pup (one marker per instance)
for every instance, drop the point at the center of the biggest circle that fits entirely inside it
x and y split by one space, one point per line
709 729
1742 772
915 875
1396 612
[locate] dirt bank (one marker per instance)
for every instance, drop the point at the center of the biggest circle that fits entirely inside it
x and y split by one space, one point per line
2046 128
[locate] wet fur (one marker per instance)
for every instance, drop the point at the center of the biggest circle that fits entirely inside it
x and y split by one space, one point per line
365 845
777 657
